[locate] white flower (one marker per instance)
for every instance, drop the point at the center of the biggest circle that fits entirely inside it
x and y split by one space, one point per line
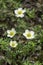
11 33
20 12
13 44
29 34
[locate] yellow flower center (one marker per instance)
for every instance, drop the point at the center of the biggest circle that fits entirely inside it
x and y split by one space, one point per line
29 35
13 44
19 12
11 33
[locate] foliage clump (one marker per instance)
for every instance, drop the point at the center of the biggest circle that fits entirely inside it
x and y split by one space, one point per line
28 51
